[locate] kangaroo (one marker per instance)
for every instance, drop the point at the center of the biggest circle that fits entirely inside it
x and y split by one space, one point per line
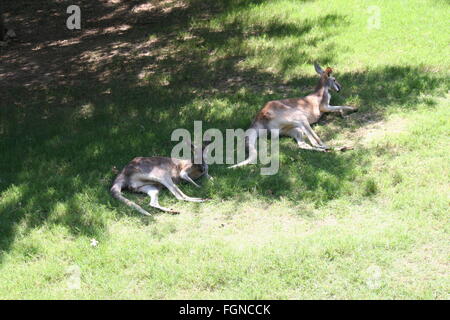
150 175
293 117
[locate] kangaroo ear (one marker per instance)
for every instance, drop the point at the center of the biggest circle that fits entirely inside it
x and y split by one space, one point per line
319 70
190 144
196 148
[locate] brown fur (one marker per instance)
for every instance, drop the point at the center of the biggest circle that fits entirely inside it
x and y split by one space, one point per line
293 117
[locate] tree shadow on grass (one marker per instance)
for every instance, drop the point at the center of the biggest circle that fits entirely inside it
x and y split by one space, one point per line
380 91
63 171
63 137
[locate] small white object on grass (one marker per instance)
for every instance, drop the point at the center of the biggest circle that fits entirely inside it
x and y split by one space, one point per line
94 242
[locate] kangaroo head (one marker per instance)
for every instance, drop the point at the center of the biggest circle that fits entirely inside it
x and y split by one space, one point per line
198 151
326 79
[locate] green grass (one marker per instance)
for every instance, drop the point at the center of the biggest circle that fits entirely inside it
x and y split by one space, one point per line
371 223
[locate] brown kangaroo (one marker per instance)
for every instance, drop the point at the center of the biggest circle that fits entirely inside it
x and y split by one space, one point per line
293 117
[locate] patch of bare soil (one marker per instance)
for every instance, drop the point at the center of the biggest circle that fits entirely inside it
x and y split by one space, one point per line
369 127
113 33
375 131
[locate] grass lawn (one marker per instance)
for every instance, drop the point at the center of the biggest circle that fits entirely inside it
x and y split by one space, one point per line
371 223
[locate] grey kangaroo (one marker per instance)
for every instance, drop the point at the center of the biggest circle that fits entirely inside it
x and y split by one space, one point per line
150 175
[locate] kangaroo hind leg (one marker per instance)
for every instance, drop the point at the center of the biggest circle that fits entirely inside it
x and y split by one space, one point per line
312 136
297 134
252 153
153 192
168 183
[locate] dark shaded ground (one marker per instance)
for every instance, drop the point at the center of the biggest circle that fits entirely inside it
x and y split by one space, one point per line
76 104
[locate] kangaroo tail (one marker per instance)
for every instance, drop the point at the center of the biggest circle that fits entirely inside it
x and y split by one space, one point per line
116 192
250 144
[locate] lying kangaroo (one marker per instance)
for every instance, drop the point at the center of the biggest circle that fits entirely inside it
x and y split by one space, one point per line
150 175
293 117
